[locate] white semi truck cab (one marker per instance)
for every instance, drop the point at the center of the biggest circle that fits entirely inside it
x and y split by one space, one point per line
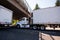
23 23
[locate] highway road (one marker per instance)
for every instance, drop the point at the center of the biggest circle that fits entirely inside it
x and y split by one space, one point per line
27 34
49 35
18 34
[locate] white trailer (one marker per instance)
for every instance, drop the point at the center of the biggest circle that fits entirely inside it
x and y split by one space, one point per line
5 16
46 17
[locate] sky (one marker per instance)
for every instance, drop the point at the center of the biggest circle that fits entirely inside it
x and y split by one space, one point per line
41 3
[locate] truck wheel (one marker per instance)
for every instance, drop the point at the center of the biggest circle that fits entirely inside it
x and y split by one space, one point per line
39 28
18 26
34 27
42 27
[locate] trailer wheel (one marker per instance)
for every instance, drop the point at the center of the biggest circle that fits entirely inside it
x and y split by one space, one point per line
42 27
34 27
39 28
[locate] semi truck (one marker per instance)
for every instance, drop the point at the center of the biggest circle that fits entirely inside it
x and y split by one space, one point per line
5 16
41 18
23 23
6 19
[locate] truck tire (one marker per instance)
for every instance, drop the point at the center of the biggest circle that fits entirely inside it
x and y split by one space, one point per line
34 27
43 28
18 26
39 28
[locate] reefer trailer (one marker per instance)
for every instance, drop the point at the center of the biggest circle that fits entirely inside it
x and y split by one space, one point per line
46 17
5 16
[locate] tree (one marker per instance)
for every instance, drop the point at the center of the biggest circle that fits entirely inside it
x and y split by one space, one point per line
58 3
36 7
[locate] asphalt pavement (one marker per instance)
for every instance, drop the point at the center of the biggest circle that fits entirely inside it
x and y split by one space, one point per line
25 34
18 34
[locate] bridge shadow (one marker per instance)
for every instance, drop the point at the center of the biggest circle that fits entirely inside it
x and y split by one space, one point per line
51 32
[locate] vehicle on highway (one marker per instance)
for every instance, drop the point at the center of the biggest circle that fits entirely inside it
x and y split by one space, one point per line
41 18
23 23
6 19
5 16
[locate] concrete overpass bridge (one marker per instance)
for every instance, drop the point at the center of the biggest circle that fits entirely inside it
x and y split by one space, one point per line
17 6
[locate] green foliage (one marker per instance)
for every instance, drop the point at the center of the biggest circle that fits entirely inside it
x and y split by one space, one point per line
58 3
36 7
